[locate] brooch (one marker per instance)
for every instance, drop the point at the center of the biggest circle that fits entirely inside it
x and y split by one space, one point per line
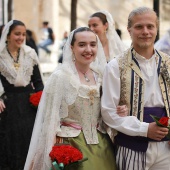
91 95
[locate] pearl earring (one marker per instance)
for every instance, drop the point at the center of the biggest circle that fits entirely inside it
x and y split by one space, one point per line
73 57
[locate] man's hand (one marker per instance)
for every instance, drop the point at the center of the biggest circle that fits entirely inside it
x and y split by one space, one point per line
156 132
2 106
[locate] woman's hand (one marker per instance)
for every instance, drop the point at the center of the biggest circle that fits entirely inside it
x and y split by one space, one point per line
2 106
59 140
122 110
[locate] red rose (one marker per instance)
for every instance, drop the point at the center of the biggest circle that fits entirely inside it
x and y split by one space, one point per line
65 154
164 121
35 98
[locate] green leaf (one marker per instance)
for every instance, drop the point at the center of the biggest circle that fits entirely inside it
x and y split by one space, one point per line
77 163
156 119
168 135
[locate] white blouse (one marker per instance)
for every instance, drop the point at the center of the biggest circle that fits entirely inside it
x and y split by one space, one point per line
129 125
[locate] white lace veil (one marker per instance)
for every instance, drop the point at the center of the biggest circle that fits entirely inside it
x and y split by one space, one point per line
4 35
3 45
116 46
59 92
163 44
98 64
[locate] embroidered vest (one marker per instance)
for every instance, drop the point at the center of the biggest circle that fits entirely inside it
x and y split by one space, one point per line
133 85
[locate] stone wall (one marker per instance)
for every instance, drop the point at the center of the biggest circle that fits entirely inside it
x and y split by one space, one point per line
57 12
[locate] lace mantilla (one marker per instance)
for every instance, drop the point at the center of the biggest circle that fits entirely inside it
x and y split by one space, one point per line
116 46
22 76
61 91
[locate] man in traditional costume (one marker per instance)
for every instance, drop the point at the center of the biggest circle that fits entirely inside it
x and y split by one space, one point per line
139 78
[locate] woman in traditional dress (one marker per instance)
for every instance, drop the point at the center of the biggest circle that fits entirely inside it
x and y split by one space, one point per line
69 110
19 77
103 25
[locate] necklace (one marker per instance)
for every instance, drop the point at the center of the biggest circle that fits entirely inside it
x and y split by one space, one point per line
86 78
15 62
85 75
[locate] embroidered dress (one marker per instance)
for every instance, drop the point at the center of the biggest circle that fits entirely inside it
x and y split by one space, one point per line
16 122
71 110
94 144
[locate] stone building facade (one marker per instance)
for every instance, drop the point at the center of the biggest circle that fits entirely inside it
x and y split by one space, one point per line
57 12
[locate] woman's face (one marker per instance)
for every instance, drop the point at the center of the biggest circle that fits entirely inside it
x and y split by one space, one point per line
17 37
96 25
84 48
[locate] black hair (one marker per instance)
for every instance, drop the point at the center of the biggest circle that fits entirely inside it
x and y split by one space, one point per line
45 23
29 33
81 29
15 23
101 16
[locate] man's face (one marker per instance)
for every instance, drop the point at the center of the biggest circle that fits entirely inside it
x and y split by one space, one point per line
143 30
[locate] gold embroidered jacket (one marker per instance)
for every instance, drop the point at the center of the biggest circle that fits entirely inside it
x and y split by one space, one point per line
133 85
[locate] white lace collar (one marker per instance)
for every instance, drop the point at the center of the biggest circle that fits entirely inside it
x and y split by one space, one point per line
22 76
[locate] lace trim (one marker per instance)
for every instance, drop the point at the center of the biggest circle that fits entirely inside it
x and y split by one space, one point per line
87 92
22 76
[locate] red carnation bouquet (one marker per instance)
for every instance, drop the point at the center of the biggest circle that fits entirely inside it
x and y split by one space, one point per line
163 122
64 156
35 99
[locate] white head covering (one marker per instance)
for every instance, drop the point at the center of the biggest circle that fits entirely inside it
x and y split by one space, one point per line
3 45
163 44
116 46
16 77
4 37
60 91
98 64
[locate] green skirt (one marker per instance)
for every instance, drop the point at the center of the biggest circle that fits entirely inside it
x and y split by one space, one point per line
100 156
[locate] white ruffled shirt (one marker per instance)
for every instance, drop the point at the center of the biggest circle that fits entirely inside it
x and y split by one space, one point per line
129 125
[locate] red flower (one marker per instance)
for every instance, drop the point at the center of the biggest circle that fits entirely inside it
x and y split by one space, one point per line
164 121
35 98
65 154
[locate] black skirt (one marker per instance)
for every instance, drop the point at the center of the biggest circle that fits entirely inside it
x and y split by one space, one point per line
16 124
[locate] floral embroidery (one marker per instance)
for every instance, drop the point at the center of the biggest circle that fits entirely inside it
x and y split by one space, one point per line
135 95
91 95
165 75
164 72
